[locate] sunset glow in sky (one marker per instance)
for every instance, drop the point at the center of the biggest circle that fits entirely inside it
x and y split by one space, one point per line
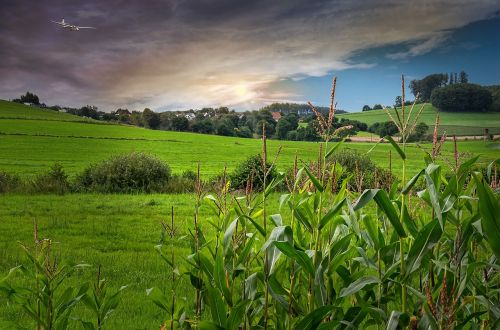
181 54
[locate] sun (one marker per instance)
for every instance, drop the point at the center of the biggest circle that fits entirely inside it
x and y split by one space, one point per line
241 90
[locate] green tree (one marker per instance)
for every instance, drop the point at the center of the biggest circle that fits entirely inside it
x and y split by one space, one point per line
463 77
366 107
136 119
293 119
398 102
284 126
204 126
462 97
180 123
269 126
425 86
377 107
224 128
419 132
495 94
308 133
28 98
384 128
151 119
243 132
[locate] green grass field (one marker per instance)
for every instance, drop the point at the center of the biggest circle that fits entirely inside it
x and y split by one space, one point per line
452 123
30 146
120 231
116 231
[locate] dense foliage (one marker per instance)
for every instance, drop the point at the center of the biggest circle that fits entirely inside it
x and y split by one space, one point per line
462 97
424 87
495 94
126 173
28 98
54 181
252 170
359 171
387 128
8 182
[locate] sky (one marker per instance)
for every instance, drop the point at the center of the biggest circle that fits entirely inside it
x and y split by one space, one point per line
182 54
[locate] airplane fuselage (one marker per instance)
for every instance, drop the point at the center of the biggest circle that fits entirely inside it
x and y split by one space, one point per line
71 27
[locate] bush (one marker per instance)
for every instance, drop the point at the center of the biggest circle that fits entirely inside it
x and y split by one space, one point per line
55 181
9 182
244 132
251 167
384 128
363 170
179 184
292 135
134 172
419 133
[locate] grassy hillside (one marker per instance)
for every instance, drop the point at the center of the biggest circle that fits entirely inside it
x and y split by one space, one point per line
11 110
454 123
30 146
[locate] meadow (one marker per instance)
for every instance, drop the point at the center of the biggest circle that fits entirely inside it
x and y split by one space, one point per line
120 233
116 231
467 123
32 144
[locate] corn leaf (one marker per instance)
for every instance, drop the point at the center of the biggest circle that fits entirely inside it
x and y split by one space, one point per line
489 209
424 242
236 315
335 147
314 180
396 146
220 276
217 307
299 256
313 319
358 285
331 214
382 200
411 183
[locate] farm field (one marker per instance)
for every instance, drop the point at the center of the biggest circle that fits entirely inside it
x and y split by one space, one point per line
116 231
31 146
452 123
119 232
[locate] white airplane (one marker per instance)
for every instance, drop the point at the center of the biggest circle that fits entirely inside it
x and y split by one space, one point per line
72 27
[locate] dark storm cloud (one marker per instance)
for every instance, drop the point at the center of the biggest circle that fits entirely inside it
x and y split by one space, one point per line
200 52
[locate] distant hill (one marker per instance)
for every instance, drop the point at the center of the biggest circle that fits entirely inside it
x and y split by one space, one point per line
300 109
465 123
12 110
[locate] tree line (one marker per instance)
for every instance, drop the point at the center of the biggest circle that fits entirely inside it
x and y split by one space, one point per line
454 93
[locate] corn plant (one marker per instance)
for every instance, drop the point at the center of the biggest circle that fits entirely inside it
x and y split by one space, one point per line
172 306
332 258
46 298
100 302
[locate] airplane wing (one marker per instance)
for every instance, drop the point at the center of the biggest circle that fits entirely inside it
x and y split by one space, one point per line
57 22
86 27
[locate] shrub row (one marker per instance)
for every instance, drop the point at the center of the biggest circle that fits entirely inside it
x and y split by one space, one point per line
143 173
